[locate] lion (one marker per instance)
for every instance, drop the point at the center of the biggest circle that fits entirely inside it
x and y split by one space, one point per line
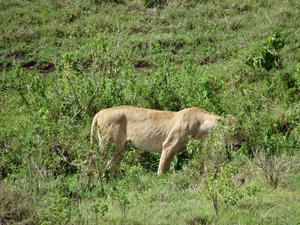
154 131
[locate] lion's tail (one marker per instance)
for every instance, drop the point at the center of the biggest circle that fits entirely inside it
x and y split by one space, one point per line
94 123
92 139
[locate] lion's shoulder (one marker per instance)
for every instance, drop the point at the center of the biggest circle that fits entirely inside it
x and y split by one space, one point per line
198 113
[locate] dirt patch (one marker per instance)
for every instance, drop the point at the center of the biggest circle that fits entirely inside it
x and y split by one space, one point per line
141 64
44 67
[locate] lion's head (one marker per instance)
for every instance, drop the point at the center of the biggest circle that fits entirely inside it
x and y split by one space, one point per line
234 131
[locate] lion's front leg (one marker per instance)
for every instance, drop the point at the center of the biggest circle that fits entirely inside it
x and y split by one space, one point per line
166 158
174 143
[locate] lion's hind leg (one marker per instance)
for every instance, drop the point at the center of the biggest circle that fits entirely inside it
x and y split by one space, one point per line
112 163
115 146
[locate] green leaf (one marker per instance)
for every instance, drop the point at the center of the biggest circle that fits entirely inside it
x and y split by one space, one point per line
258 62
270 59
275 41
250 62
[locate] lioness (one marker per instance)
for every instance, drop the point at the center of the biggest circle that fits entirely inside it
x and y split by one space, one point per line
153 131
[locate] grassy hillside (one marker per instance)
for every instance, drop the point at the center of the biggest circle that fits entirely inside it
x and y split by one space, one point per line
63 61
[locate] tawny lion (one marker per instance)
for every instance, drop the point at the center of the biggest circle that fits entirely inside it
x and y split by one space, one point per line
154 131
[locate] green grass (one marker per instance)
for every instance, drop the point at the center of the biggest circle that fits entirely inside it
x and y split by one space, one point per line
63 61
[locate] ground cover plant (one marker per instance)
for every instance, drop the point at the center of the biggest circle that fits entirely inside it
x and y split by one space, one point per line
63 61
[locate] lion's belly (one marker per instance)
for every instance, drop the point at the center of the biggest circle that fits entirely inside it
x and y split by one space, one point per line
149 134
147 142
147 146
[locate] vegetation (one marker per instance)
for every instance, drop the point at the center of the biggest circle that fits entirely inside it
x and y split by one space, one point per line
63 61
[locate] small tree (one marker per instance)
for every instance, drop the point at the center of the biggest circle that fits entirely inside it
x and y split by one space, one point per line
212 160
269 54
119 194
272 166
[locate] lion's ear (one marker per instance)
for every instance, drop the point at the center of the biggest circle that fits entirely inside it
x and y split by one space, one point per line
230 117
222 121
